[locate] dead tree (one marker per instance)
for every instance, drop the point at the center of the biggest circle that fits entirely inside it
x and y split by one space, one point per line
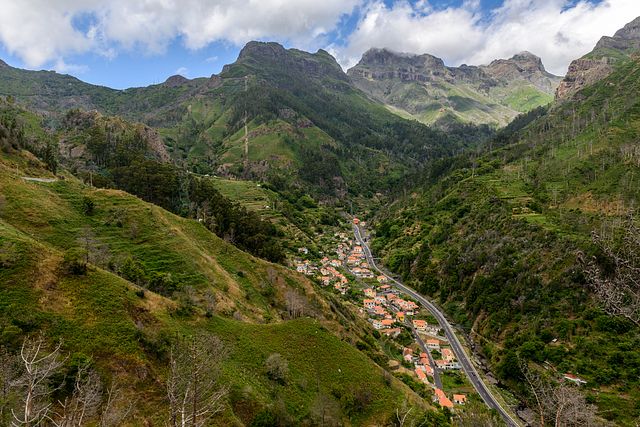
618 289
38 365
9 372
84 402
193 390
295 304
558 404
117 407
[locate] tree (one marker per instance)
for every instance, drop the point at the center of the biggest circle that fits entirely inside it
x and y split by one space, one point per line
617 283
325 410
558 404
9 372
85 400
38 365
117 407
295 304
193 390
277 367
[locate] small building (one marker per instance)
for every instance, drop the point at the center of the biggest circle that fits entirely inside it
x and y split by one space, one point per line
392 332
421 376
369 304
574 379
387 323
448 355
433 344
370 293
459 399
442 399
420 325
382 279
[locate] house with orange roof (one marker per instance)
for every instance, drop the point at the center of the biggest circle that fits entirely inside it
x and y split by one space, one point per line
387 323
356 221
382 279
459 399
400 316
448 355
369 292
369 304
442 399
421 375
380 299
420 325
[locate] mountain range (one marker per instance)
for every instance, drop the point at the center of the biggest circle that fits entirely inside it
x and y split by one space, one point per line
422 87
131 219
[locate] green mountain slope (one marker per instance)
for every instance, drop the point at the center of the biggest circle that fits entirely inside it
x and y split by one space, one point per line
153 276
500 241
422 87
284 116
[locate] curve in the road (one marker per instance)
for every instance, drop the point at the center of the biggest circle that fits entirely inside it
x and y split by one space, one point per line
456 347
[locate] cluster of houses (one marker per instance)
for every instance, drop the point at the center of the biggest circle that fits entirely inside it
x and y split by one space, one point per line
442 399
358 264
386 309
326 270
423 370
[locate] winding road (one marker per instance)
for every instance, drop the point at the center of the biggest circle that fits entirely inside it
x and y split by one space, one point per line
456 347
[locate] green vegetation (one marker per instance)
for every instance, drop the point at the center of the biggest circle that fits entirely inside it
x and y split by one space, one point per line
500 240
111 313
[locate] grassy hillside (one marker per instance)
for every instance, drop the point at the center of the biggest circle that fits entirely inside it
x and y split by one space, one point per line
500 240
153 275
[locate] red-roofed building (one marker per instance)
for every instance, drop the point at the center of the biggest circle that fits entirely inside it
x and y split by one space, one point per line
459 399
420 325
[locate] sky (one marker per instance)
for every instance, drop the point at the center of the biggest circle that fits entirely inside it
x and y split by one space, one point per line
128 43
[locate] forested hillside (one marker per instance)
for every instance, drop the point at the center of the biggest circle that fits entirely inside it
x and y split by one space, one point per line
130 297
505 241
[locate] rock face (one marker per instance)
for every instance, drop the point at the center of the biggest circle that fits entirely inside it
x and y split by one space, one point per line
424 87
274 56
598 64
523 66
175 81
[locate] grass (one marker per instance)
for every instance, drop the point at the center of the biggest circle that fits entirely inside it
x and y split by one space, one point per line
104 317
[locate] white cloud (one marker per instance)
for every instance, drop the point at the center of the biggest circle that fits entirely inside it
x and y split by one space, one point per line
182 71
556 30
44 31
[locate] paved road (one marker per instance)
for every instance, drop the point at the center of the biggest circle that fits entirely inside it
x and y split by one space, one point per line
436 373
456 347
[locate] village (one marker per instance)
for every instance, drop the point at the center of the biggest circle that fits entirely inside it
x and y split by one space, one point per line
344 267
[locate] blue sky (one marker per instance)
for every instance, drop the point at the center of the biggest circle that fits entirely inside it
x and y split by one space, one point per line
119 43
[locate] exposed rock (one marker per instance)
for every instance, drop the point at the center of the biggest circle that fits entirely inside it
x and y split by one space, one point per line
523 66
598 64
423 86
175 81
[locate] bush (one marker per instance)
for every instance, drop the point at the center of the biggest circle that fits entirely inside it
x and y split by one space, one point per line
88 206
75 262
277 368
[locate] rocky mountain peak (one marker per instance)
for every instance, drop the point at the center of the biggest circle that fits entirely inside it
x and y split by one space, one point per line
598 64
3 64
255 50
176 80
386 57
